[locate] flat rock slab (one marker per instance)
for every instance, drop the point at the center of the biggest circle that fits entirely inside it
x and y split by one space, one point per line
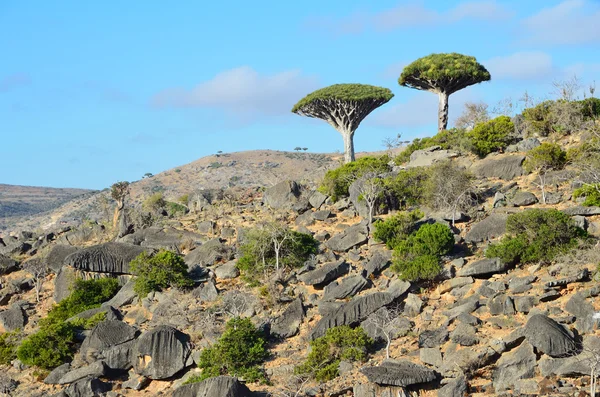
288 323
325 274
522 199
344 288
549 337
513 366
13 319
351 237
399 373
583 211
506 167
483 268
107 334
379 261
490 228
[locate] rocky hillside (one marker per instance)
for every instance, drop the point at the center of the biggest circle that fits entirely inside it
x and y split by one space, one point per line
523 322
242 169
21 202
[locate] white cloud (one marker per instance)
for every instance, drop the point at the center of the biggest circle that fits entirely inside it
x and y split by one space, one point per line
521 66
242 91
568 23
411 15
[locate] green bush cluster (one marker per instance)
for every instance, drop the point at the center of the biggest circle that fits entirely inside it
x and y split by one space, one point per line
258 253
339 343
536 235
54 342
337 181
175 209
8 347
560 116
418 256
396 228
240 351
159 271
492 136
548 156
591 193
407 187
590 108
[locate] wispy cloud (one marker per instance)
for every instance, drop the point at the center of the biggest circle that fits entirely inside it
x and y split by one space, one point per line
570 22
524 65
242 91
411 15
13 81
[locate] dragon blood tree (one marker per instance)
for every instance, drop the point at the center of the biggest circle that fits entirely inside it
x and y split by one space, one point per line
443 74
343 106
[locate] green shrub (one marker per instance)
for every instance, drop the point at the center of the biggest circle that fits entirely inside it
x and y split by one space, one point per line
536 235
538 118
88 323
239 352
408 186
154 203
396 227
337 182
258 253
8 347
175 209
418 257
546 157
591 194
560 116
339 343
85 295
590 108
163 270
492 136
48 348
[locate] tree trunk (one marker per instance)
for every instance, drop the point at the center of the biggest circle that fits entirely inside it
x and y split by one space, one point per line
542 187
348 146
442 111
387 347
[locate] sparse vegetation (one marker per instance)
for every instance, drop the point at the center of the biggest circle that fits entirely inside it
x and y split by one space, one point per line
396 228
418 256
8 346
50 347
337 182
590 192
543 159
492 136
240 351
536 235
339 343
159 271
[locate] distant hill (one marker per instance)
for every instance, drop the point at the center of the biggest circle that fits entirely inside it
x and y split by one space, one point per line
18 202
247 169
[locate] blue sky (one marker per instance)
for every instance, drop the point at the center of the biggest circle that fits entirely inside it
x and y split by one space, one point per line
96 92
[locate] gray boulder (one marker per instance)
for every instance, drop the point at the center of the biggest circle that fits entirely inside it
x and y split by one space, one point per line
373 390
221 386
506 167
286 195
522 199
379 261
125 296
162 352
63 282
483 268
524 146
7 264
395 326
353 312
317 199
491 227
208 254
227 271
429 156
464 335
351 237
513 366
88 387
431 356
57 373
97 369
344 288
583 311
158 238
55 259
412 305
206 292
454 388
321 215
110 257
501 304
433 337
288 323
325 274
399 373
13 318
107 334
549 337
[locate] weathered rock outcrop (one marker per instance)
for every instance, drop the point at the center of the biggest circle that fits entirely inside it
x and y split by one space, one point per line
491 227
105 335
55 259
506 167
221 386
483 267
288 323
325 274
351 237
344 288
549 337
162 352
399 373
515 365
111 258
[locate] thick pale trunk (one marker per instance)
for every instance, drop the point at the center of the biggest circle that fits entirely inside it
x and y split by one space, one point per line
442 111
348 146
